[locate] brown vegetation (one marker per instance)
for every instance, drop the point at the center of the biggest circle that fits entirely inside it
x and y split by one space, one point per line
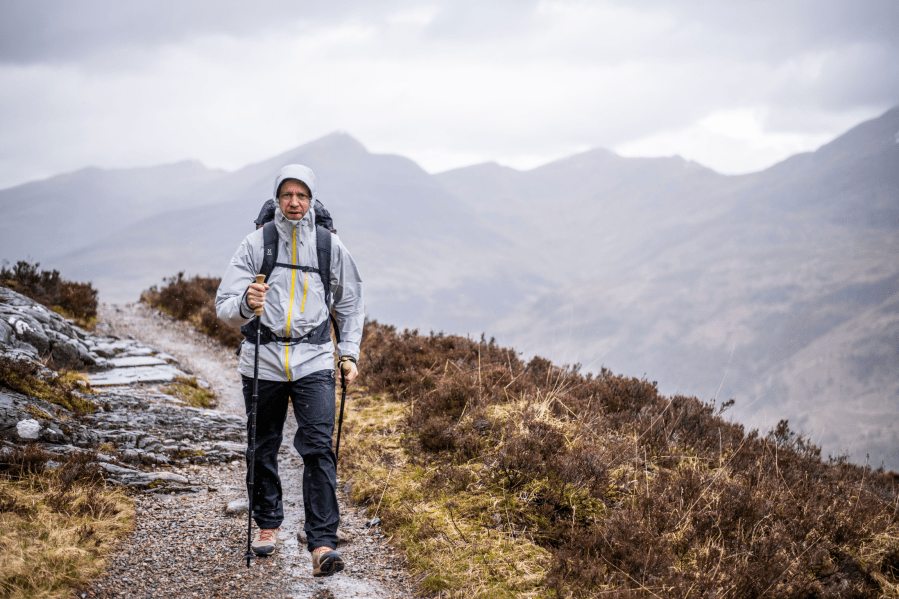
538 480
56 525
193 300
77 301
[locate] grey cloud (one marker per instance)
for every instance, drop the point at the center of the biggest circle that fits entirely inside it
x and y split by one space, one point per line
777 29
36 31
473 20
706 56
58 30
860 76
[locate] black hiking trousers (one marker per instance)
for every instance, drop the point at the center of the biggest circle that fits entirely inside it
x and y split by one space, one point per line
313 406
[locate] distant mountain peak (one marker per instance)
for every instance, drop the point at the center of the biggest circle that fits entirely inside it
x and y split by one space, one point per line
339 141
481 167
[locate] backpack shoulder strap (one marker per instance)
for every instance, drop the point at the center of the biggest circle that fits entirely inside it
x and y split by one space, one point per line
269 249
323 249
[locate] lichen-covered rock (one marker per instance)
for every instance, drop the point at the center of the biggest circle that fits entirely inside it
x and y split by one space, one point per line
32 328
136 423
30 332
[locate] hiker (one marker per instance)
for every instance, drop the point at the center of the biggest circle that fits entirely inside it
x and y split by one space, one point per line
295 356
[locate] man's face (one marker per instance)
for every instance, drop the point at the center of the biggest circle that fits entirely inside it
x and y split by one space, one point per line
294 199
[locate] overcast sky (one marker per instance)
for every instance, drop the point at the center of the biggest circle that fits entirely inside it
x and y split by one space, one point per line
736 86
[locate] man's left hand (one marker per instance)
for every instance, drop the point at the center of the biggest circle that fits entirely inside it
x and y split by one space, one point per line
349 370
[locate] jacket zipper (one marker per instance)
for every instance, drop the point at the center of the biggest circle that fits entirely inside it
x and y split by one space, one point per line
305 286
293 280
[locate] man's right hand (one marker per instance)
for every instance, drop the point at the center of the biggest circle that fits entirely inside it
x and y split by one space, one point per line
256 295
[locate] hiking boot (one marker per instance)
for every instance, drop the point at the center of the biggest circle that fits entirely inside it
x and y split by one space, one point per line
326 561
265 541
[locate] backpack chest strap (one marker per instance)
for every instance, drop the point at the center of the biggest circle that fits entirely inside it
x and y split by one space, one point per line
300 268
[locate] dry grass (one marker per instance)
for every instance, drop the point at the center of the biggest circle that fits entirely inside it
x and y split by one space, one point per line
188 390
56 526
443 533
501 478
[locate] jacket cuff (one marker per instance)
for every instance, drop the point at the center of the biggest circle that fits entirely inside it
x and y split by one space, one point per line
242 303
341 352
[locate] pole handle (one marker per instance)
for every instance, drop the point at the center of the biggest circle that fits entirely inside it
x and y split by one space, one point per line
260 279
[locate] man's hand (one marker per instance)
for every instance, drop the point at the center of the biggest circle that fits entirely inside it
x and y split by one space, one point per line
256 295
347 366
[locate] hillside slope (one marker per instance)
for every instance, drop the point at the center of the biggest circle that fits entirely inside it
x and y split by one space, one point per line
56 216
509 478
716 285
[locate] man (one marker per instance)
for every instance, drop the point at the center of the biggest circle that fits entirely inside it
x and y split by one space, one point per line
297 360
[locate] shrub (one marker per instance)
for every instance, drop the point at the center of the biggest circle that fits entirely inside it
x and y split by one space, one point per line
73 300
631 493
193 300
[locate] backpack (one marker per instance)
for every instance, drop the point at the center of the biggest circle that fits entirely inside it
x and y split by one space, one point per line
323 229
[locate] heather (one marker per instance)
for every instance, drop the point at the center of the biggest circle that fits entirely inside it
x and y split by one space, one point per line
505 477
77 301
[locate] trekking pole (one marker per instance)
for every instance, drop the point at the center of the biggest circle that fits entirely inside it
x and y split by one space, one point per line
252 432
340 420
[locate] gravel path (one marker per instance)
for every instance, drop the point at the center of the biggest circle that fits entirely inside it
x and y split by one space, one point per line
185 545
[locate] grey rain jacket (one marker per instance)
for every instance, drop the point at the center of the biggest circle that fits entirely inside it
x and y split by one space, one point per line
295 304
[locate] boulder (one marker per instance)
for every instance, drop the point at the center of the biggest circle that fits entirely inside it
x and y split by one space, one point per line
65 356
32 334
26 348
29 429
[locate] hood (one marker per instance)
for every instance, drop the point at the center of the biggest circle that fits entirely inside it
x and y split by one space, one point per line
298 172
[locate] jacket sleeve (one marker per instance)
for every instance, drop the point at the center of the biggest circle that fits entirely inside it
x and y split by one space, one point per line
346 288
231 298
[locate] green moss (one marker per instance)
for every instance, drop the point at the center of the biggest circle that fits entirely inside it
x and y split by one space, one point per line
189 391
180 455
20 376
38 413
